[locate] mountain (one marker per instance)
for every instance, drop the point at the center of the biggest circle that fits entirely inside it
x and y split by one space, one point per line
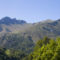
17 42
37 31
9 37
8 21
8 24
42 29
19 34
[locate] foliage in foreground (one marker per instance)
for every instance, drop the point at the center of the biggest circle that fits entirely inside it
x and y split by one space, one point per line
46 49
10 54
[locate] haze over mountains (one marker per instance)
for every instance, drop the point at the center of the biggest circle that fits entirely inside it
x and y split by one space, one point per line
48 27
11 25
19 34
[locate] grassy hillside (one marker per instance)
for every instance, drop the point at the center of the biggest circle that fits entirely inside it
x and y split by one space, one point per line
42 29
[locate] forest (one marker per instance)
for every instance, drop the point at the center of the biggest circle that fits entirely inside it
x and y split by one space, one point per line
44 49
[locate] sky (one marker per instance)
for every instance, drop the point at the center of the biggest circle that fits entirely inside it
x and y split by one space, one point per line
30 10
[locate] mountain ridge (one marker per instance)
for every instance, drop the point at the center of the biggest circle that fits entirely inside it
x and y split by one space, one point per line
24 36
8 20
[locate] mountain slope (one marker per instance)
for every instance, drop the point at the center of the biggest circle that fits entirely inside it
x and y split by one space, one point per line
24 35
40 30
36 31
16 41
12 25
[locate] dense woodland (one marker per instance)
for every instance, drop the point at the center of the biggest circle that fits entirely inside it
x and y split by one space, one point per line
45 49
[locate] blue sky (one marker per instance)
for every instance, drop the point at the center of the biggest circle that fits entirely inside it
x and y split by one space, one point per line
30 10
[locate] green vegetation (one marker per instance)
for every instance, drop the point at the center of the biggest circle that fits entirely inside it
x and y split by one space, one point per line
46 49
6 54
37 31
17 41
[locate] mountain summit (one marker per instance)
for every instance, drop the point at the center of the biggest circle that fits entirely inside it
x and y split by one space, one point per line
8 21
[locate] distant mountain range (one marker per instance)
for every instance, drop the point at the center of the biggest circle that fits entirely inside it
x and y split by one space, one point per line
8 24
8 21
18 33
45 28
